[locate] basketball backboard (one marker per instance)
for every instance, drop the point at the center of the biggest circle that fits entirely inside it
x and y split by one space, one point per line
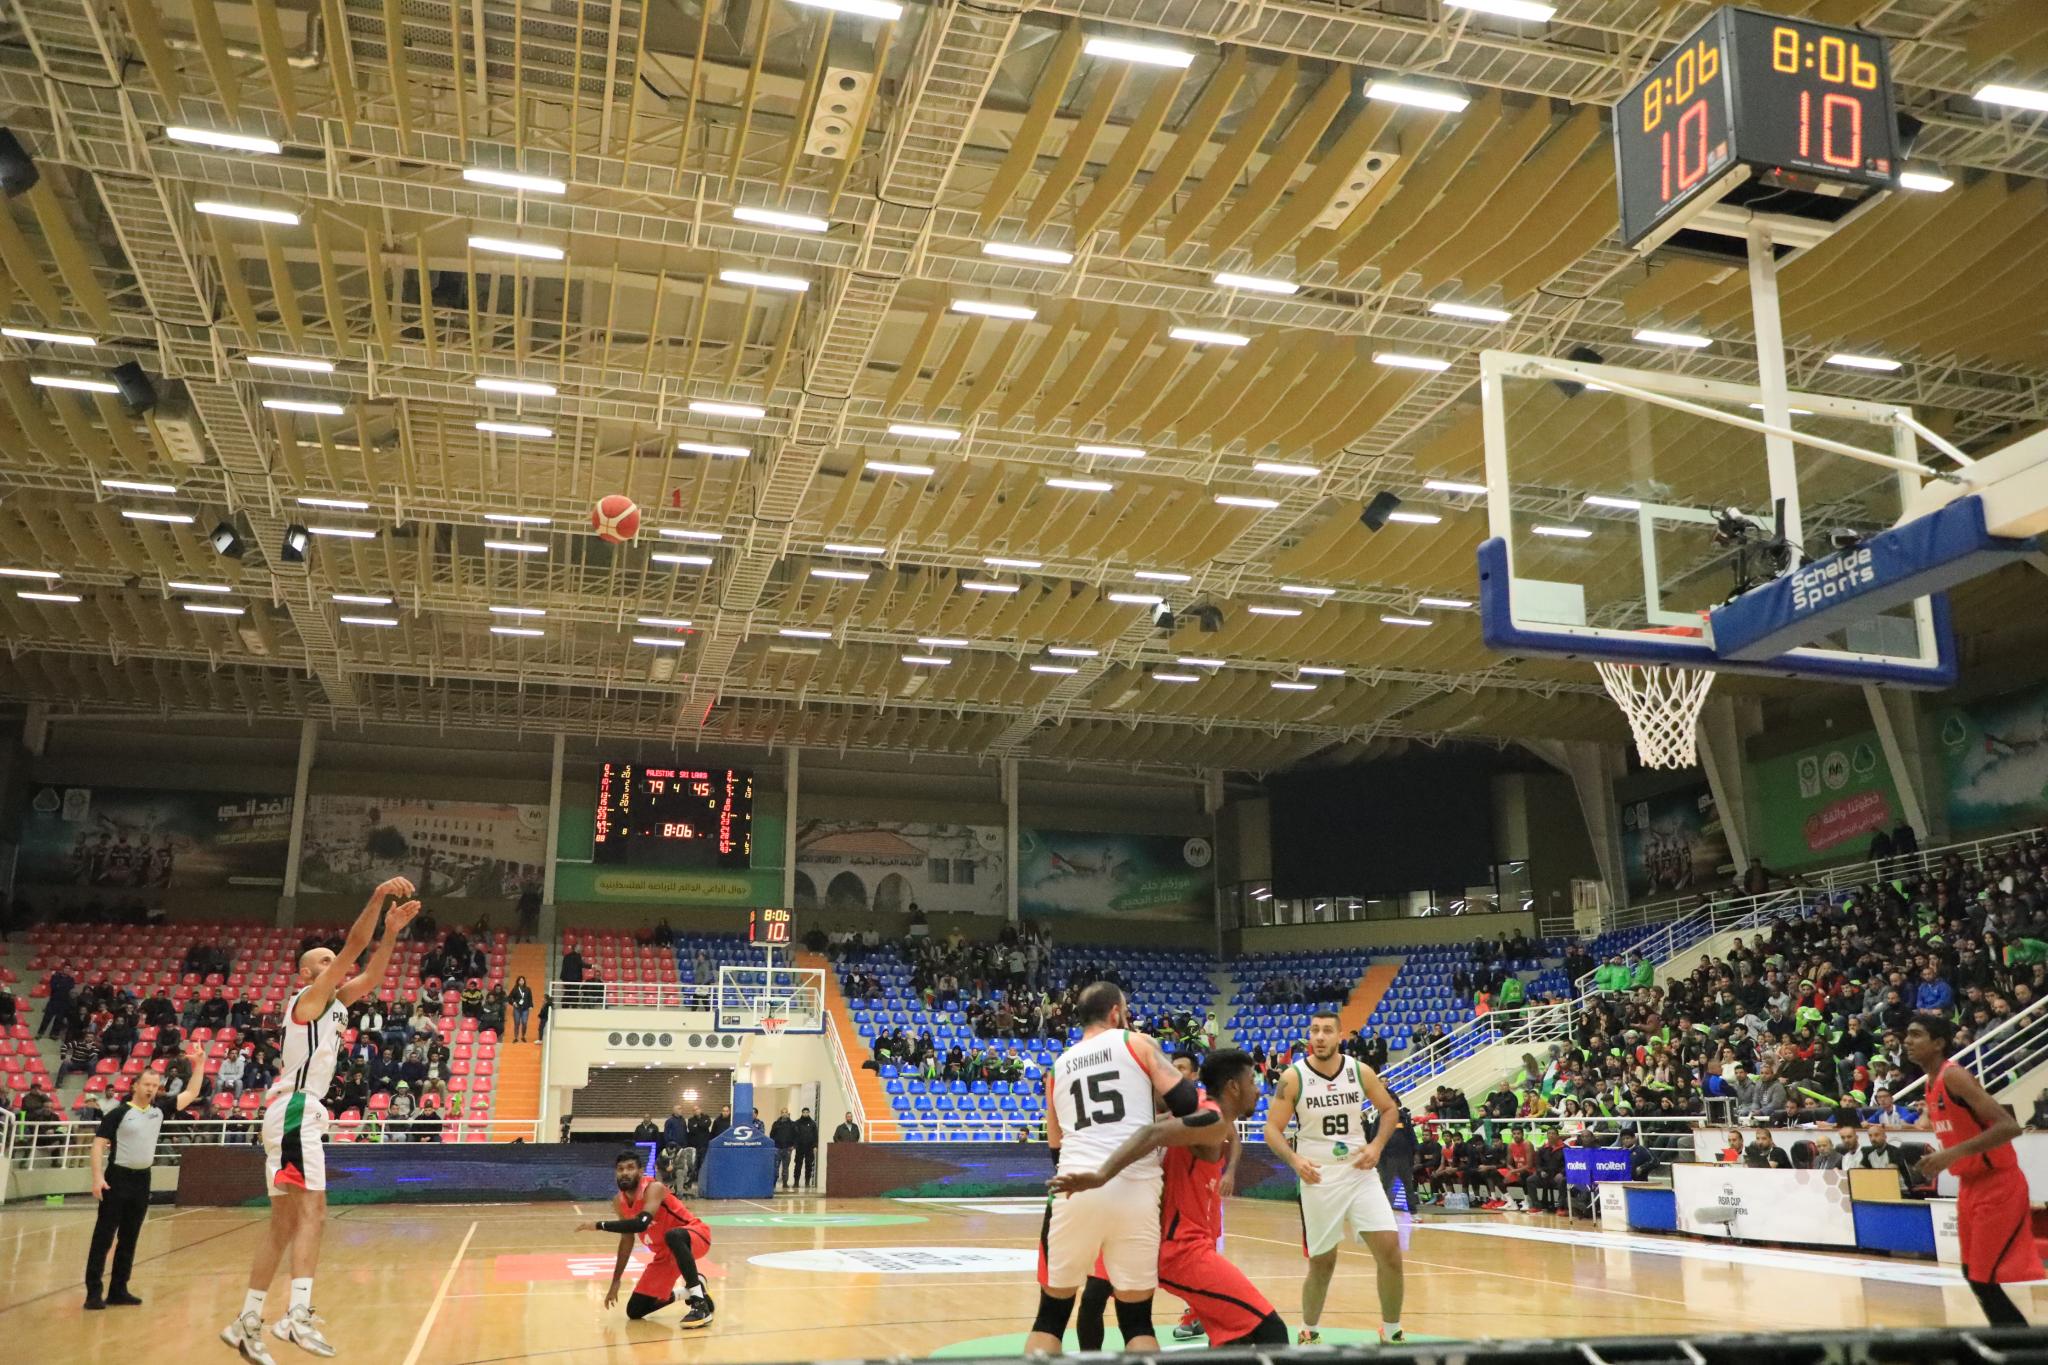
1623 502
770 999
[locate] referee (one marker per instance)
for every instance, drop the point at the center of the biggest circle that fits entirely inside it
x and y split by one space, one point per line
122 1188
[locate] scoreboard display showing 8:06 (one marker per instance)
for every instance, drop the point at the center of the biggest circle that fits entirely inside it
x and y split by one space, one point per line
1750 93
663 815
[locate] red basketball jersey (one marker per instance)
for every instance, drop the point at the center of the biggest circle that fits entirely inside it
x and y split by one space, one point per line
668 1214
1954 1123
1190 1209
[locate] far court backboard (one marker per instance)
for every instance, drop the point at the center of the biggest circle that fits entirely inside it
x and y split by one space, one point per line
1624 505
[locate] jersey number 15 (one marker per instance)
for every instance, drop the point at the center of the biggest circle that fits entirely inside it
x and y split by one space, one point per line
1108 1102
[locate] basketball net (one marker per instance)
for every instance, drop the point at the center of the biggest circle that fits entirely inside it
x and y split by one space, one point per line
1663 704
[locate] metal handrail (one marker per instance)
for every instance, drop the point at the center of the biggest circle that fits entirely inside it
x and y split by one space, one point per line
632 995
2006 1050
847 1085
57 1145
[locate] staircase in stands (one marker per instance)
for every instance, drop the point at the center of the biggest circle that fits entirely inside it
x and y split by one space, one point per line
875 1104
515 1100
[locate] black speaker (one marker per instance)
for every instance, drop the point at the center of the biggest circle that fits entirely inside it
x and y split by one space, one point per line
136 390
1378 510
296 539
226 541
18 173
1910 129
1584 355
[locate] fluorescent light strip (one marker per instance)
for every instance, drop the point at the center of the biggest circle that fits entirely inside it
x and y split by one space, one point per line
681 561
984 585
672 622
1415 518
1406 621
1260 609
925 432
168 518
1471 312
518 611
942 642
839 548
1041 255
506 246
885 10
1176 677
214 609
1417 96
1241 500
1015 312
659 641
1656 337
1162 576
1399 361
1257 284
525 388
515 429
47 575
233 142
1531 10
514 180
138 486
1147 54
1111 452
757 279
2014 96
337 504
1071 652
1203 336
1927 182
342 532
305 406
1081 485
186 585
1865 362
32 596
1197 661
522 632
1304 590
1318 671
308 364
1453 486
65 381
1563 532
54 338
709 407
517 519
841 575
1006 562
796 222
1292 471
253 213
918 471
928 660
1137 599
1061 670
1447 603
369 620
1283 685
708 448
1618 504
683 533
362 599
517 547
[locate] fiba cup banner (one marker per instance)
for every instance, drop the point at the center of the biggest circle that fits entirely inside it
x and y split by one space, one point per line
139 840
1760 1204
1136 876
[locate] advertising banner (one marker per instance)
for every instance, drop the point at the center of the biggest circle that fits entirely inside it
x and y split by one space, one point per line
1759 1204
1596 1165
450 849
893 865
1822 804
1996 757
1672 842
1143 876
136 839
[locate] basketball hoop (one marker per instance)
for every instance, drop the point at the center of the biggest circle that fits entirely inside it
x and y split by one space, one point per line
770 1024
1662 702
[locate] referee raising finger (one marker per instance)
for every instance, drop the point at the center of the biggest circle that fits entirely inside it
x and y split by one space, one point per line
130 1130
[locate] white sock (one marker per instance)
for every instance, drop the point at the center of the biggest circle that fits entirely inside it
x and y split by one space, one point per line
252 1302
1391 1329
695 1291
302 1294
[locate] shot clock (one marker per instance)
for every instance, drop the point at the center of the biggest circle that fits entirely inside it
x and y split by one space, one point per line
770 927
1777 114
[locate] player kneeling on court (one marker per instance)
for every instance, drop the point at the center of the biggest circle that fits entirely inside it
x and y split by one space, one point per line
1230 1308
675 1235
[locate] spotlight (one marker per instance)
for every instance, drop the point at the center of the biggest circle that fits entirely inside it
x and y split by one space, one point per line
18 173
1208 617
1378 510
1162 619
225 541
136 390
1844 539
296 539
1584 355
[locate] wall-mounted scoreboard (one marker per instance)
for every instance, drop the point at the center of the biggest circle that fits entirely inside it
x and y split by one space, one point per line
674 815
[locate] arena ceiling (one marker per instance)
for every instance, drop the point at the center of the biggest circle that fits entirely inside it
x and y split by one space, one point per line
808 573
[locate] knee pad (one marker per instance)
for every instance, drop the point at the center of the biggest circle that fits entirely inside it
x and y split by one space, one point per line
1052 1315
1134 1320
1271 1331
639 1306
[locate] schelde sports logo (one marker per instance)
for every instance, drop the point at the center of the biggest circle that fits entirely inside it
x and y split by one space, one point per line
1837 576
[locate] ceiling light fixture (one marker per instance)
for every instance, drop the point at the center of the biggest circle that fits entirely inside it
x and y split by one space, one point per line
1471 312
1137 599
681 561
514 180
841 548
54 338
1059 670
1453 486
138 486
1531 10
214 609
1563 532
315 409
1304 590
518 611
47 575
714 408
1162 576
517 519
1015 312
29 595
1040 255
362 599
336 504
515 429
757 279
522 632
517 547
1176 677
659 641
1618 504
507 246
369 620
65 381
803 633
525 388
254 213
925 432
1415 518
1447 603
1291 471
927 660
1406 621
308 364
671 622
1006 562
885 10
708 448
1865 362
342 532
1080 485
839 575
1203 336
683 533
168 518
1071 652
1261 609
1285 685
942 642
232 142
1257 284
2014 96
1197 661
1146 54
1318 671
1417 96
1241 500
795 222
984 585
1927 182
1657 337
186 585
1111 452
1399 361
916 471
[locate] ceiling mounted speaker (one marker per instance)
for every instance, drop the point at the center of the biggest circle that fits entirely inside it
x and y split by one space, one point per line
841 96
1378 510
18 173
1370 169
136 390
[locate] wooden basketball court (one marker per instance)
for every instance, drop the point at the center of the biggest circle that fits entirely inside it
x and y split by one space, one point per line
817 1279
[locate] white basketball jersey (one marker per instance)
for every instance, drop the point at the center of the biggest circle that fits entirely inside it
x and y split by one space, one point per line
1329 1116
306 1063
1102 1095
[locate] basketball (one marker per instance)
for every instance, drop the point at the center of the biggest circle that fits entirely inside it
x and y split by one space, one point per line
616 518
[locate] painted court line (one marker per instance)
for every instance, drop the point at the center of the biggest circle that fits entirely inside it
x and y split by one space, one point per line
1727 1253
419 1340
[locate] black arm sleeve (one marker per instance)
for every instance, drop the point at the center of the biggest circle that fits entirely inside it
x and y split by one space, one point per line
1183 1099
638 1223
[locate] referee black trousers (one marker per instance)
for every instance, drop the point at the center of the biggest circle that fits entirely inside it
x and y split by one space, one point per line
119 1226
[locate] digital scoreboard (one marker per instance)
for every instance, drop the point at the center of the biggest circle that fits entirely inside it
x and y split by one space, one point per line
1784 116
663 815
770 927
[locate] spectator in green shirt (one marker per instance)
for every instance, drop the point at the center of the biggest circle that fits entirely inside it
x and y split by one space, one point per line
1644 974
1512 992
1611 977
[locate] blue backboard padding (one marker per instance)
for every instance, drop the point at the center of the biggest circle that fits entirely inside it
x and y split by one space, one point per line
1917 559
1497 627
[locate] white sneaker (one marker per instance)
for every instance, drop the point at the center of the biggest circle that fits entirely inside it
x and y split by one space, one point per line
298 1328
245 1334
